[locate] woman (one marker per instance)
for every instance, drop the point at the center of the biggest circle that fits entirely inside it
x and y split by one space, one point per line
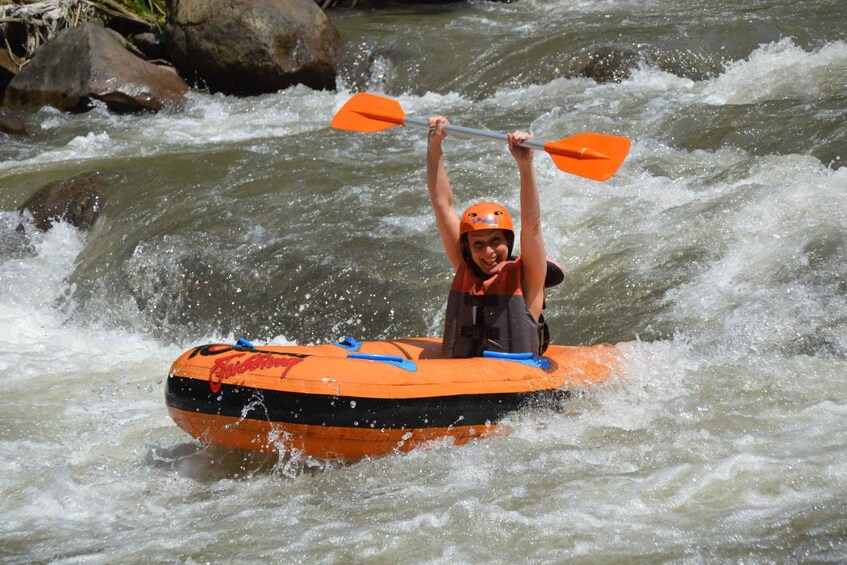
495 300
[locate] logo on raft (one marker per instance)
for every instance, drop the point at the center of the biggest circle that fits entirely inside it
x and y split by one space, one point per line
229 366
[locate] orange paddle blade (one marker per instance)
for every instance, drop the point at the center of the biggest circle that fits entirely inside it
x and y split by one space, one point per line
591 155
368 113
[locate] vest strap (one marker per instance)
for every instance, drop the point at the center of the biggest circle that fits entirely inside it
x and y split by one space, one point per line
478 333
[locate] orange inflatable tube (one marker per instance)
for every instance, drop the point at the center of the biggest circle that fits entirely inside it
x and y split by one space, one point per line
354 399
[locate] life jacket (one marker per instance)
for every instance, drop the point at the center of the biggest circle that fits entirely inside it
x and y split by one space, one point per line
491 313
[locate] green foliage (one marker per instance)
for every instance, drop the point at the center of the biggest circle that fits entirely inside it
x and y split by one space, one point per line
154 9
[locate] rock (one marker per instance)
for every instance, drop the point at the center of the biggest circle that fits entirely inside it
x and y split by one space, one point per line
249 47
611 65
10 123
24 27
90 62
616 65
77 200
152 45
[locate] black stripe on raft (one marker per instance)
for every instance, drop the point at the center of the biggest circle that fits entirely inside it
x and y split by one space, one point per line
194 395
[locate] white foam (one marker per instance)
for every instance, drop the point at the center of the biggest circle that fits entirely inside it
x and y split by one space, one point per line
779 71
35 333
206 120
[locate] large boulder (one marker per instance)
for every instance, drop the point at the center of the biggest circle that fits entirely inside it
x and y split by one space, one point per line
248 47
10 123
90 62
24 27
77 200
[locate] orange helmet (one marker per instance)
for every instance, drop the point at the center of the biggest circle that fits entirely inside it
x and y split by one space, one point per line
485 216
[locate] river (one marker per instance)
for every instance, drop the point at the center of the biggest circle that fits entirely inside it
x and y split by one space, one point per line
716 258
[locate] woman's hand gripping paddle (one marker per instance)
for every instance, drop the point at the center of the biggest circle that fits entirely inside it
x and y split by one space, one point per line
591 155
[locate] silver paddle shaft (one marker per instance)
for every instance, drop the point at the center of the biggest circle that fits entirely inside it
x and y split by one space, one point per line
471 132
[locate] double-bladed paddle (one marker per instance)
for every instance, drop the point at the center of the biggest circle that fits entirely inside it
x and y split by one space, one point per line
591 155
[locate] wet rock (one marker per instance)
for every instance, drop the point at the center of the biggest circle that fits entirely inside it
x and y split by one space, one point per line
611 65
616 65
249 47
684 64
10 123
77 200
90 62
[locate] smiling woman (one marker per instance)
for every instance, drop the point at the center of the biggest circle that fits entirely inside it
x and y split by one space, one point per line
495 301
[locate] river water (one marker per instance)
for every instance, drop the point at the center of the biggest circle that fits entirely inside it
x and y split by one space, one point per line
716 257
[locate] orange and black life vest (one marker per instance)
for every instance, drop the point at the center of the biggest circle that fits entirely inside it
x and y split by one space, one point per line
491 314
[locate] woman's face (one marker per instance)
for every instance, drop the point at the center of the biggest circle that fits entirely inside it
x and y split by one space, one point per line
488 249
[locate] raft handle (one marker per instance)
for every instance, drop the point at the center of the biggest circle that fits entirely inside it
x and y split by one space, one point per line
349 343
244 344
528 358
395 360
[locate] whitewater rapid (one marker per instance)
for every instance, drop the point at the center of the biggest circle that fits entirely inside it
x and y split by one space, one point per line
716 257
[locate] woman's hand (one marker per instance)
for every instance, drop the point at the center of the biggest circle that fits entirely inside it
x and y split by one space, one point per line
436 130
522 155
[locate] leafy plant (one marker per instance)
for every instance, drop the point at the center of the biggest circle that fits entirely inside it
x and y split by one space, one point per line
151 8
153 12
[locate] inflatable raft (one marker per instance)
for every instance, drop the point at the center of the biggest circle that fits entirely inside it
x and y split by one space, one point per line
355 399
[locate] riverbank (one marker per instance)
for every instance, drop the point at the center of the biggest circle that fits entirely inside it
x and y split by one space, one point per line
152 30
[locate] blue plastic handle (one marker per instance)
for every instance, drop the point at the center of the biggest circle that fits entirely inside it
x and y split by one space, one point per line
395 360
349 343
528 358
